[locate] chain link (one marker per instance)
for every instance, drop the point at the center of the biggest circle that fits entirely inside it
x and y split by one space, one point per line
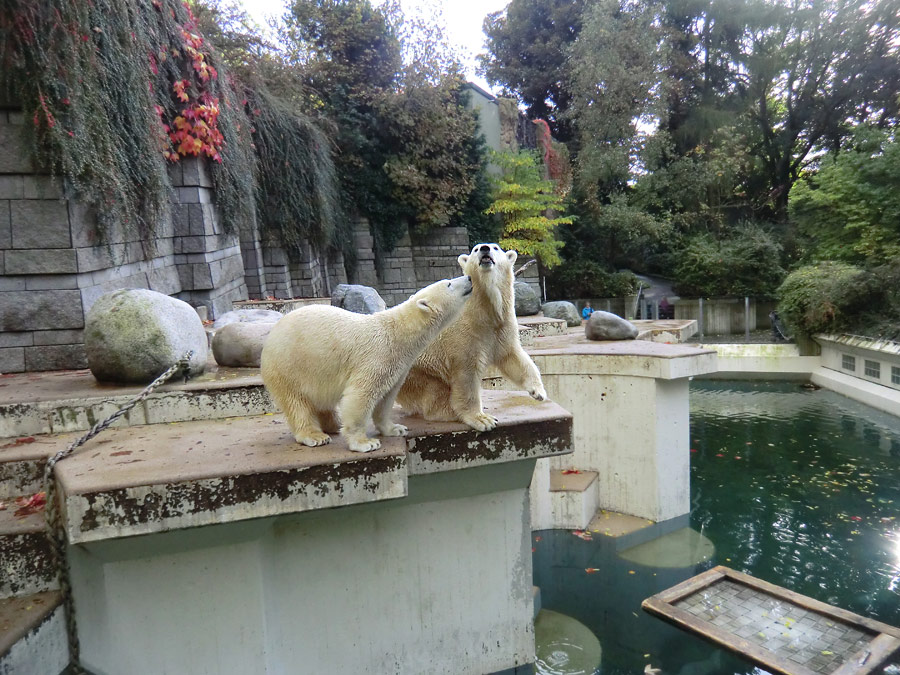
54 527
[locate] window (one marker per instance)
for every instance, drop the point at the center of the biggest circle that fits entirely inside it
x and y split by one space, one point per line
895 374
848 362
873 369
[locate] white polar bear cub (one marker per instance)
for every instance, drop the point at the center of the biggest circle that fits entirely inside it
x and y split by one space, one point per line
321 360
445 382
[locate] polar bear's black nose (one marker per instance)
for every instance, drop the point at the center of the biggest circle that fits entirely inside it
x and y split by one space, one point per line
485 248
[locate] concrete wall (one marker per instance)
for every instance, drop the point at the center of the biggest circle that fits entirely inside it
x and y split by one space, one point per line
725 316
882 356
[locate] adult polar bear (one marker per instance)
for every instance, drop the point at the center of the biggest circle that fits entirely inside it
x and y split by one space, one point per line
319 360
445 382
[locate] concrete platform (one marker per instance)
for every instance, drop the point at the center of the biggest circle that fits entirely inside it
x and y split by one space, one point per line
666 330
33 635
542 325
26 562
156 478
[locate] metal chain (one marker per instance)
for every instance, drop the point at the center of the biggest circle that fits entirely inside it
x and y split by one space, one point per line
54 529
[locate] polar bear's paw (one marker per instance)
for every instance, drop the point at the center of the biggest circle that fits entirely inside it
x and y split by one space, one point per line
394 430
312 438
363 444
538 393
481 421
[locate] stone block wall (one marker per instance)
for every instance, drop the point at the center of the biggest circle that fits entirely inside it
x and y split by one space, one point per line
53 266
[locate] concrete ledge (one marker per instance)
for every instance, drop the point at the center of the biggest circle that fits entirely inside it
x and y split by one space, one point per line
543 326
875 395
33 635
154 479
762 361
636 358
526 429
28 563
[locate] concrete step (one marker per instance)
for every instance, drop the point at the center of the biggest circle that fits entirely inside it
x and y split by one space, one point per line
542 325
33 635
22 462
574 498
26 562
527 335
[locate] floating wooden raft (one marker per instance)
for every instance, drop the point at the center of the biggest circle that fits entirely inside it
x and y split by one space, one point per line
775 628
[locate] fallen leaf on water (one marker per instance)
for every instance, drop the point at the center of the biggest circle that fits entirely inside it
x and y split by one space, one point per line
568 471
591 570
581 534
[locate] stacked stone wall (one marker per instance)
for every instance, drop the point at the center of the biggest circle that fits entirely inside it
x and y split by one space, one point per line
54 266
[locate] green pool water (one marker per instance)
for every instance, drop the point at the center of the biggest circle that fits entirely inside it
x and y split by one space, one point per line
798 487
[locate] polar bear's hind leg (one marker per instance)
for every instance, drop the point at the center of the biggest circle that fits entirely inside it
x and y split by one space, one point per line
304 422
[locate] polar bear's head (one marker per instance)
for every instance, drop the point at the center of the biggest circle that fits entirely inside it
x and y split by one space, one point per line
491 269
443 301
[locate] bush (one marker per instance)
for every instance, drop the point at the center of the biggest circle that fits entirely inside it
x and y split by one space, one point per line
828 297
744 263
587 279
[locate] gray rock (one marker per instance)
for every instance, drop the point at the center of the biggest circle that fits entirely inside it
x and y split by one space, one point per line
527 300
608 326
240 344
356 298
134 335
247 316
562 310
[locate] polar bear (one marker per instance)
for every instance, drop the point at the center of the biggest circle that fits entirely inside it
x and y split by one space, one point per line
445 382
323 363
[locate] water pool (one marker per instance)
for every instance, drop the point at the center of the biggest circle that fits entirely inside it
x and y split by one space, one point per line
798 487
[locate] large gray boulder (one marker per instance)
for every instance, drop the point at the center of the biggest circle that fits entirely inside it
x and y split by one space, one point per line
527 301
240 344
247 316
562 310
609 326
133 335
356 298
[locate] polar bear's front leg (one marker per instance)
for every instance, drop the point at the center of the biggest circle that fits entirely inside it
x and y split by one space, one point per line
519 368
465 399
355 410
304 422
383 411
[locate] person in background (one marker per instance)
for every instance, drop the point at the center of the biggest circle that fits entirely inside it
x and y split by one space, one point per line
587 311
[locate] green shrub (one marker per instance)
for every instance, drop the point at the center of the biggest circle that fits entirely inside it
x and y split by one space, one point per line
747 262
828 297
587 279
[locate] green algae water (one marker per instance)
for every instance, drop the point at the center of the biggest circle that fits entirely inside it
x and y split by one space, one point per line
798 487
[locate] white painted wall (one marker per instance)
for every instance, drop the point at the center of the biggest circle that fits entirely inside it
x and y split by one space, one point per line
439 582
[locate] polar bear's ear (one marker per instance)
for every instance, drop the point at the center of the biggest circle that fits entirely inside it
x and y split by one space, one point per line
511 256
424 305
462 260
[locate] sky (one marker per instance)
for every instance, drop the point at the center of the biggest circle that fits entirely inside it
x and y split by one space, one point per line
463 19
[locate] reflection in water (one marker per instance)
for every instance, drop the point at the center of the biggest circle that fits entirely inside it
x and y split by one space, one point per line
799 488
564 646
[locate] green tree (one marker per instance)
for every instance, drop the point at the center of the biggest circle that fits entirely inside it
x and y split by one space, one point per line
527 205
527 44
850 208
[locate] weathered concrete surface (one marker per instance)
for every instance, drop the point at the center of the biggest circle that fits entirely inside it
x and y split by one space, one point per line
26 562
665 330
526 429
542 325
58 402
33 635
22 464
156 478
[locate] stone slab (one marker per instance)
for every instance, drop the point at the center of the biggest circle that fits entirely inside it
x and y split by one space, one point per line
40 310
563 481
573 354
41 261
19 616
526 429
28 562
162 477
40 223
543 326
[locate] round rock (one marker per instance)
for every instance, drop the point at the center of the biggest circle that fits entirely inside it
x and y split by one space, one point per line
527 301
240 344
133 335
562 310
247 316
356 298
609 326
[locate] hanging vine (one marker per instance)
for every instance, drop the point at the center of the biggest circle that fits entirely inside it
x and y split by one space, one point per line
114 90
